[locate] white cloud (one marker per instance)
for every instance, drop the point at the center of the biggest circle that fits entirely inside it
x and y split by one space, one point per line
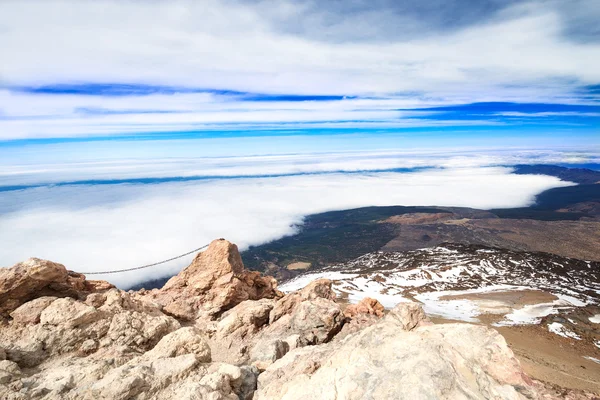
234 45
109 227
520 53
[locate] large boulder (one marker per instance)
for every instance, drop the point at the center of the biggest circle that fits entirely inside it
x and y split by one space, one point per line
399 358
35 278
214 282
305 318
320 288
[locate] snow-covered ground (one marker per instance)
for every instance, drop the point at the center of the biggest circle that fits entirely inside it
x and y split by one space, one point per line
446 278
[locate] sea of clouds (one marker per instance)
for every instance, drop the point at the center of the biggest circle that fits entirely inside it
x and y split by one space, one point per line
248 200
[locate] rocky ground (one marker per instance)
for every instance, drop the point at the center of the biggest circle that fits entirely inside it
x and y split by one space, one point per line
546 306
217 331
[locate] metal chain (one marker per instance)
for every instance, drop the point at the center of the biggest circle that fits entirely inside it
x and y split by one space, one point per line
145 266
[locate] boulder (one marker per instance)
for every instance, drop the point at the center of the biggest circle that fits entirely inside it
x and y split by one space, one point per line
408 316
246 318
310 322
30 312
387 361
68 312
214 282
320 288
366 306
180 342
35 278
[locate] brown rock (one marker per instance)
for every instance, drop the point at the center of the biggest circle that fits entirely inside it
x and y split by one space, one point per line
387 361
36 278
365 306
321 288
214 282
29 279
408 316
29 313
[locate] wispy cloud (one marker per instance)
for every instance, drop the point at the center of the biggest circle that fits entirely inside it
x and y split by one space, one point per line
89 68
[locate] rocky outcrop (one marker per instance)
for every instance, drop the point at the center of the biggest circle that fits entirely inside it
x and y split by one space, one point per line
216 331
214 282
401 357
35 278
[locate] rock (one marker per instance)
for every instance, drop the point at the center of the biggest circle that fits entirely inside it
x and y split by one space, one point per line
367 306
182 341
30 312
320 288
242 339
266 352
408 316
311 322
214 282
247 383
317 321
69 312
9 371
27 280
386 361
35 278
248 316
138 330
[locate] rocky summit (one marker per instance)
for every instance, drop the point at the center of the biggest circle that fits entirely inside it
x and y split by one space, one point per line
217 331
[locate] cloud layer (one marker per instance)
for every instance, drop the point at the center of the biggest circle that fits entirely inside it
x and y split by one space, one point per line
117 226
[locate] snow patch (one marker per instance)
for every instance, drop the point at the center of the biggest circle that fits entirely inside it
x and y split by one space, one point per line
560 330
595 319
597 361
302 281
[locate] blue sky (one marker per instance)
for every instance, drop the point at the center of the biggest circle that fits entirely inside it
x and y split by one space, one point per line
122 70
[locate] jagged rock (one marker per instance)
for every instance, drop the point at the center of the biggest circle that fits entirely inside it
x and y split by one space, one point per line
310 322
408 316
366 306
76 339
182 341
266 352
138 330
68 312
320 288
35 278
386 361
245 318
9 371
214 282
30 312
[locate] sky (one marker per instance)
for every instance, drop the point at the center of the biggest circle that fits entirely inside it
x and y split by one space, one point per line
157 69
131 131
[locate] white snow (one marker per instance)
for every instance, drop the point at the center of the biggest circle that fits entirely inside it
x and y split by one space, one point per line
463 309
597 361
301 281
396 277
560 330
530 314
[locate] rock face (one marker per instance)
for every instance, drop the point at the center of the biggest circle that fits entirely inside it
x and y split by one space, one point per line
401 357
216 331
214 282
35 278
